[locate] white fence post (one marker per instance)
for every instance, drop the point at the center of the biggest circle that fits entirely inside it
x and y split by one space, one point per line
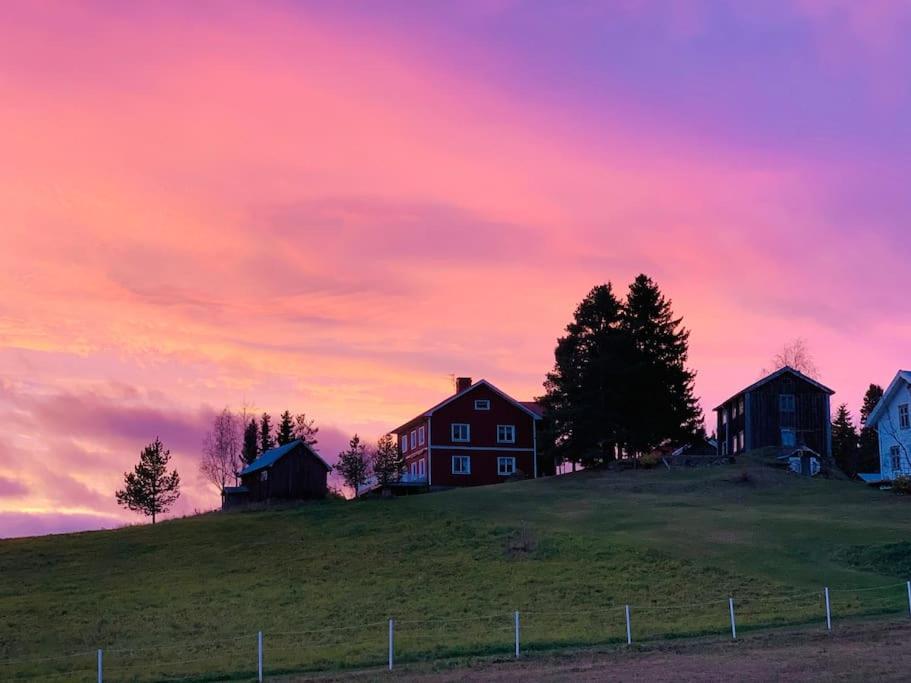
259 659
391 641
828 611
100 667
517 632
629 633
733 622
909 597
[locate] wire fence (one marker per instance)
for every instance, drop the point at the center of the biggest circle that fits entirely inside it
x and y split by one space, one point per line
390 642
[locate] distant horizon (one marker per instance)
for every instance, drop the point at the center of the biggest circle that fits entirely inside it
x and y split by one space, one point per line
331 208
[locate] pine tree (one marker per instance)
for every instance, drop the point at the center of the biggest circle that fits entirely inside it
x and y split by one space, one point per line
388 461
353 464
250 449
266 442
660 404
305 429
844 441
584 391
149 488
285 431
868 456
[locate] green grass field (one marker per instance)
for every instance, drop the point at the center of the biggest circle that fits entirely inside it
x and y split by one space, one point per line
184 599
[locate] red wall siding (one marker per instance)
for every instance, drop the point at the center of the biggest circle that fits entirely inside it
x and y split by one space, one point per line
483 436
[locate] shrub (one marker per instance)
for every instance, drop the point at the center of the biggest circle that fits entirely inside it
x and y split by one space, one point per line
649 460
902 485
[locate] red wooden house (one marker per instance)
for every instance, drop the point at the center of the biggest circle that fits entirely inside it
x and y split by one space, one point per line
480 435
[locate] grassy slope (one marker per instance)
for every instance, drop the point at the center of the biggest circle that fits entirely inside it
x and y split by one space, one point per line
600 540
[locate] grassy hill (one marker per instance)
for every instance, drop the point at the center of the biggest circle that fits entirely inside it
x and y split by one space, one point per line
186 597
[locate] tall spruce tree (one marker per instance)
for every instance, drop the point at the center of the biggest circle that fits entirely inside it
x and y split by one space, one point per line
285 432
844 441
150 488
250 449
266 440
660 404
585 390
868 455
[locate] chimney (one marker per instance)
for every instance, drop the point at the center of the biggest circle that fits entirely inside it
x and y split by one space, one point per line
462 383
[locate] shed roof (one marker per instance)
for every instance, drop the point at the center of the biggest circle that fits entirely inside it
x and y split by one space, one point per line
901 377
775 375
273 455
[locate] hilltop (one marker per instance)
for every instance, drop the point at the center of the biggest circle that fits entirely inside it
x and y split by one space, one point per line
188 596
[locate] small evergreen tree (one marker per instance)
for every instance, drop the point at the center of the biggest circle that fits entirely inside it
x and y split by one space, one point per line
388 461
868 453
250 450
149 488
266 441
305 429
844 441
285 431
353 464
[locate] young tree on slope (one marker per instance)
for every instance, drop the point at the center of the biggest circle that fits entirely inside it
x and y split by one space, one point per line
285 431
149 488
844 441
221 449
305 429
388 461
660 404
353 464
868 455
250 449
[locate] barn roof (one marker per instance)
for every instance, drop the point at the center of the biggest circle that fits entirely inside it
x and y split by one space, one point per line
525 406
778 373
901 377
273 455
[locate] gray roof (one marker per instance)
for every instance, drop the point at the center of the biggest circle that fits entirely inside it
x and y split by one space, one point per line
774 375
273 455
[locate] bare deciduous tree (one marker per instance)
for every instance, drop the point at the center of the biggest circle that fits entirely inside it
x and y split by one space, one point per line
221 450
795 354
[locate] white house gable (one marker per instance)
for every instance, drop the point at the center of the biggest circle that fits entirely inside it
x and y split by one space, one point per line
891 418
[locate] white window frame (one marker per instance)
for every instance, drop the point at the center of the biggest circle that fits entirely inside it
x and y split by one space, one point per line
506 433
482 404
422 469
403 441
463 460
740 441
511 466
414 439
264 475
421 435
895 456
724 416
791 402
904 417
458 425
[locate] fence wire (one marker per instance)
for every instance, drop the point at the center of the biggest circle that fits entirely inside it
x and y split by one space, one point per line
391 642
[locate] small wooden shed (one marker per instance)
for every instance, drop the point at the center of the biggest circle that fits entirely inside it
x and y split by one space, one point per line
294 471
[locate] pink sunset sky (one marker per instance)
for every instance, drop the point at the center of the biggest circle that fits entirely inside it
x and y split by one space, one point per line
332 207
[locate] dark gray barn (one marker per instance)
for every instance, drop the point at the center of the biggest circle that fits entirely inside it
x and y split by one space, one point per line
784 410
291 472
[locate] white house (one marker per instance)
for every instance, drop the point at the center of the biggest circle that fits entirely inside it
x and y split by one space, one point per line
891 418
